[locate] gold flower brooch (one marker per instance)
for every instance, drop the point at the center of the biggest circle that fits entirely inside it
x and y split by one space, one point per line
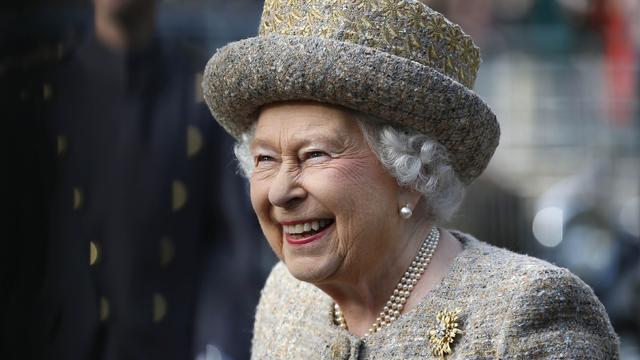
443 336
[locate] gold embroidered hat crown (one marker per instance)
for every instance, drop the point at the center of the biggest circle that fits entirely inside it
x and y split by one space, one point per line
398 60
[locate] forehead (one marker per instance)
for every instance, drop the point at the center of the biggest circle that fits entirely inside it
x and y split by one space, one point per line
304 121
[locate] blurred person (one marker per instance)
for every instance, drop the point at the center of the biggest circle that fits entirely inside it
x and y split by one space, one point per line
358 129
631 10
144 215
617 21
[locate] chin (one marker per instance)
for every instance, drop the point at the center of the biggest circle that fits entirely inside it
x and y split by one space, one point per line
312 269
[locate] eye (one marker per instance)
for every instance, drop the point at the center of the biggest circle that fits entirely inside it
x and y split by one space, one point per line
263 158
314 155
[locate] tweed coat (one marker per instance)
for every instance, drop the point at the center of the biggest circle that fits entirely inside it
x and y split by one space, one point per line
512 307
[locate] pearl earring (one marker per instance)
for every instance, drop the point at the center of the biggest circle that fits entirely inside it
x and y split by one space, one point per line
406 212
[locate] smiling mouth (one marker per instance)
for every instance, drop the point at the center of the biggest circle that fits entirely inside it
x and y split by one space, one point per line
302 231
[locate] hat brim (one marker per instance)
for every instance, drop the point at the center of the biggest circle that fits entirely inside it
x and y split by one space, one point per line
243 76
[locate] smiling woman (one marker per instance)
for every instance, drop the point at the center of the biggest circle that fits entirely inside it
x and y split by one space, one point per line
358 129
312 163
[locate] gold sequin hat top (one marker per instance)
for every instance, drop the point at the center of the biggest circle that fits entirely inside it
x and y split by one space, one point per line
398 60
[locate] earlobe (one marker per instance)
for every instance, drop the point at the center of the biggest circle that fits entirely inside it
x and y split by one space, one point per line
406 211
408 202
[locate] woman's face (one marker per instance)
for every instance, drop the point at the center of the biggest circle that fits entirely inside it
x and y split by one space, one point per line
324 202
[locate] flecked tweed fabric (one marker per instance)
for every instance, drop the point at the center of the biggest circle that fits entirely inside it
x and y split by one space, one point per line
513 307
396 59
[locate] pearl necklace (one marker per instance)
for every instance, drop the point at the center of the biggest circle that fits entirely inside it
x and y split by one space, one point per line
396 302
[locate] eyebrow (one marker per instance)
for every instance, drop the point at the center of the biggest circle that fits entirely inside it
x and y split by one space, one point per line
339 141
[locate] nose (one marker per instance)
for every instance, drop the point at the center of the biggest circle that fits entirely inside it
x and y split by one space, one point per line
285 190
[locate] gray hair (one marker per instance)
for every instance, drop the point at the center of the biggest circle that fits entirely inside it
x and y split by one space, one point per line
415 160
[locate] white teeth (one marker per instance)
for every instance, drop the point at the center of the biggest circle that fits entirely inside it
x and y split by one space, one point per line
308 226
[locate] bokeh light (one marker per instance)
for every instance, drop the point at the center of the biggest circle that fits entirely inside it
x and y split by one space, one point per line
548 226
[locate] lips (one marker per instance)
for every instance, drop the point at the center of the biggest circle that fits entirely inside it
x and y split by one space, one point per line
304 232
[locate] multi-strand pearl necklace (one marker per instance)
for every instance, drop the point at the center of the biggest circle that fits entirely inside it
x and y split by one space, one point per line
396 302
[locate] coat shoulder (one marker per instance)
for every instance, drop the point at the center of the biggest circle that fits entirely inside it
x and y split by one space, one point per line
548 311
509 270
556 315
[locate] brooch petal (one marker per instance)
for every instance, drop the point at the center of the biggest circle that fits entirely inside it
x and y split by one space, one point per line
444 335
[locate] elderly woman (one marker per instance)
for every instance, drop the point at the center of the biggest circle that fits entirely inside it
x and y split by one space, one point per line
359 132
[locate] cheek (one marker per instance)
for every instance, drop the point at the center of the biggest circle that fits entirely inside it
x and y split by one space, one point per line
359 192
349 171
362 182
334 184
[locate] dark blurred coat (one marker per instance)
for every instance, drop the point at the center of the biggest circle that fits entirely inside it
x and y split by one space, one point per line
142 197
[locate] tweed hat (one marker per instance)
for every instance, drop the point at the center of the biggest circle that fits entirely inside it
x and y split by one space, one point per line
398 60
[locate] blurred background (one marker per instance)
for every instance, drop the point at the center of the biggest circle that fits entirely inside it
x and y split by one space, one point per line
130 235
